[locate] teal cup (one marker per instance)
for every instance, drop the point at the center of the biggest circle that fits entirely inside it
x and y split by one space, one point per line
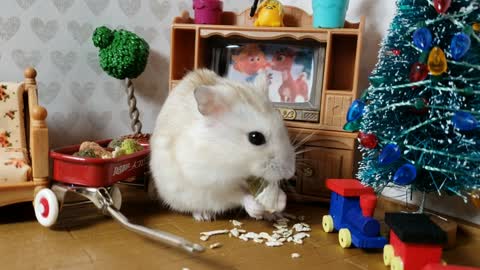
329 13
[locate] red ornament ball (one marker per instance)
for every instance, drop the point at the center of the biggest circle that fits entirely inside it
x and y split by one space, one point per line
396 52
441 6
368 140
418 72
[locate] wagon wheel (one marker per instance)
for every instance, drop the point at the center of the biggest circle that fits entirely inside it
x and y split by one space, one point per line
116 196
345 238
388 254
396 263
46 207
327 223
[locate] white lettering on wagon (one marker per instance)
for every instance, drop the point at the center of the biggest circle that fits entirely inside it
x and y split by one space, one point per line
139 163
127 167
121 169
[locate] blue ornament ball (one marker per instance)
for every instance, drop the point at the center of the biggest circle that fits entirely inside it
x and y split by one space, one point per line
390 153
405 175
422 38
464 121
356 110
460 45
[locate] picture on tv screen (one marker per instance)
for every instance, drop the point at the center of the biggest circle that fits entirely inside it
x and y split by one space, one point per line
295 71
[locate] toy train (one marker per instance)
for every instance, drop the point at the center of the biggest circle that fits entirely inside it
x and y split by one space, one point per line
351 209
416 242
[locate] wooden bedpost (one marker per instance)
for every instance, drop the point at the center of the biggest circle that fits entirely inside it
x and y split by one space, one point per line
38 144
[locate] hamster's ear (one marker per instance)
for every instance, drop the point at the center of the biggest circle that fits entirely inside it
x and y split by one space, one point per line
209 103
261 82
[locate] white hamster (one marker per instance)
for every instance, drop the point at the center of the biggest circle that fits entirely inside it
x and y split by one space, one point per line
211 134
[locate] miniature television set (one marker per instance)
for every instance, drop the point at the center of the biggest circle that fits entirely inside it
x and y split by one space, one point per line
295 72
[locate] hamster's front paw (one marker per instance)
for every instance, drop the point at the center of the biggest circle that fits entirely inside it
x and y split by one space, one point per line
281 201
253 208
203 216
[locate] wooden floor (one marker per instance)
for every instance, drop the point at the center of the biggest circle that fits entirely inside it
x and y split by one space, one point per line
86 240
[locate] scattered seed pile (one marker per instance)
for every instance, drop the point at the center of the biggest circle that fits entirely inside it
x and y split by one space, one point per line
279 236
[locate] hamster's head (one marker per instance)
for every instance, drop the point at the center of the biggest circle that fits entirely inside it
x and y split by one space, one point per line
245 131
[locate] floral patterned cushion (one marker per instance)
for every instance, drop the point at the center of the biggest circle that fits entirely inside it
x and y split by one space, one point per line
14 165
12 122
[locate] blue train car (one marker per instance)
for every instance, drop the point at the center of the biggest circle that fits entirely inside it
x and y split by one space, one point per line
351 209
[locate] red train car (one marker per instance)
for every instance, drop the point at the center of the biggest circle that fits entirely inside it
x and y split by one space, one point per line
415 242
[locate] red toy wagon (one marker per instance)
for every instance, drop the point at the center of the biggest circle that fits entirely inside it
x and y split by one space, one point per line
95 179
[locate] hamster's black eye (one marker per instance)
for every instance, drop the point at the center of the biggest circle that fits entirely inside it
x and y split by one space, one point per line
256 138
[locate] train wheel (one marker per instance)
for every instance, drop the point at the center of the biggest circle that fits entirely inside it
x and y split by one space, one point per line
345 238
396 263
46 207
116 196
388 254
327 223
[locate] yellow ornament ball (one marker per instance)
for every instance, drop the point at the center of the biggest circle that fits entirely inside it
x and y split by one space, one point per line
476 27
437 61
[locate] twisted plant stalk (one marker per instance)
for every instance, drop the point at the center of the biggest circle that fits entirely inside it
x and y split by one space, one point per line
135 124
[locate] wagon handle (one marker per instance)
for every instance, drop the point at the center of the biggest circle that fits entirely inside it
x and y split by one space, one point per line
101 198
165 237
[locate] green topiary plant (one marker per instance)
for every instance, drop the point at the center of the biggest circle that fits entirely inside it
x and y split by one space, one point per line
123 55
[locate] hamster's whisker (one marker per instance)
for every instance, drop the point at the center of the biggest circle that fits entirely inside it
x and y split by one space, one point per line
262 186
303 151
304 140
294 141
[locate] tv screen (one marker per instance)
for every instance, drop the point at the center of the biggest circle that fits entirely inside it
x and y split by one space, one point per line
295 71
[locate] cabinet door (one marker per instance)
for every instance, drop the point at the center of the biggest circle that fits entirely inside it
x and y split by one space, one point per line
321 163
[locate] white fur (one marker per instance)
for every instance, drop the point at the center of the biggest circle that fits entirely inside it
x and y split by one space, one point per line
199 162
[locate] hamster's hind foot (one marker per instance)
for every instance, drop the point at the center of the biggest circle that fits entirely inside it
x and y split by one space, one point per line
203 216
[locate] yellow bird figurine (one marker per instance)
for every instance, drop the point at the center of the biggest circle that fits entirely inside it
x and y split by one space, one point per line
270 13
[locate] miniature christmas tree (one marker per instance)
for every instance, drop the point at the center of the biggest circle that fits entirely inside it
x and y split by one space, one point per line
123 55
418 119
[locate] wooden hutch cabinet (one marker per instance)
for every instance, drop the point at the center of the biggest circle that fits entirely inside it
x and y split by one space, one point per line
328 151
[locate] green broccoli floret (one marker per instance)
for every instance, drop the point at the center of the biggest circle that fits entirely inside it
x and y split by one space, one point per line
90 153
131 146
123 54
118 152
115 143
